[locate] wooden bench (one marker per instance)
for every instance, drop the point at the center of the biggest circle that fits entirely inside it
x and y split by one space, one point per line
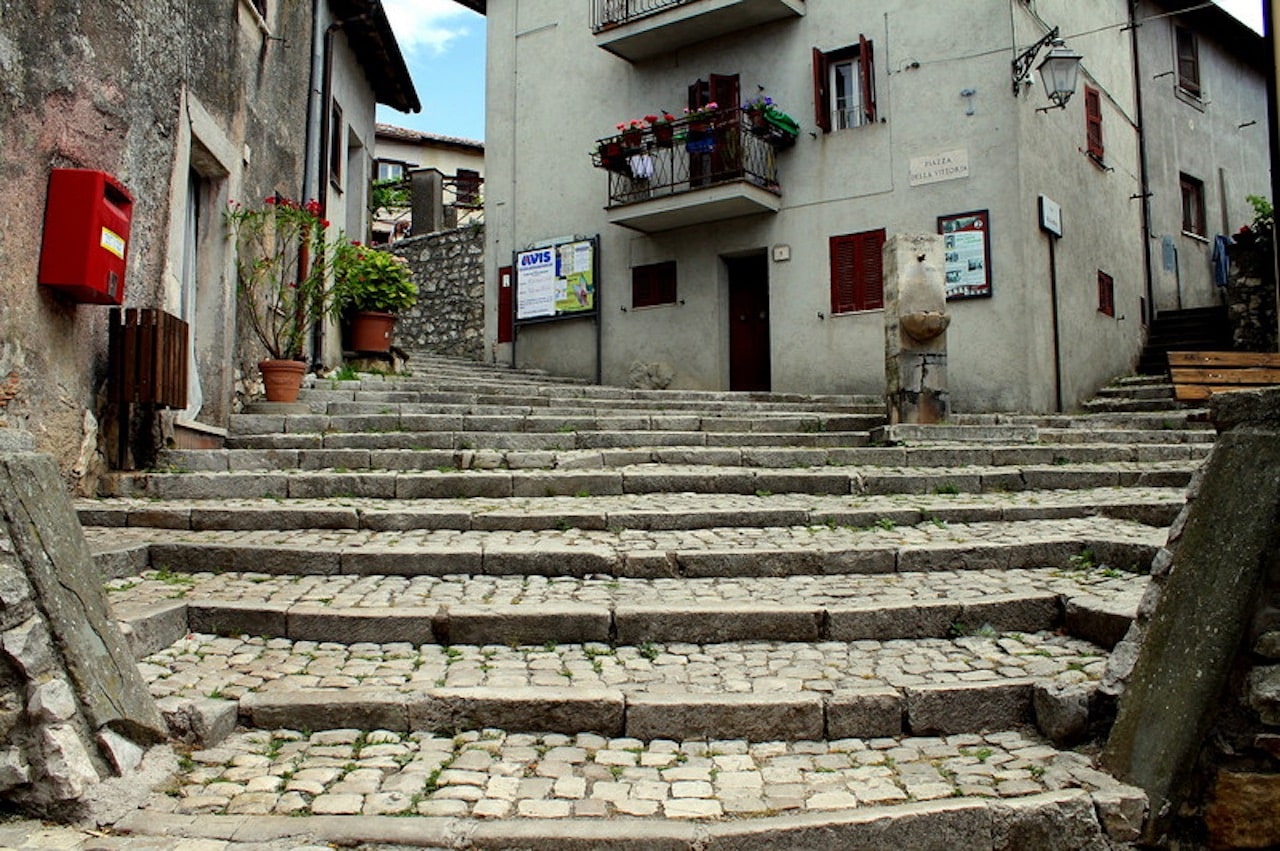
1198 375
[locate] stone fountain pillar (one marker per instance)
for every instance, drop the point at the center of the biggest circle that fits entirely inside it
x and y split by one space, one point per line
916 320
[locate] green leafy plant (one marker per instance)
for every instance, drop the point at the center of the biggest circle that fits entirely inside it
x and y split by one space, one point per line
366 278
280 258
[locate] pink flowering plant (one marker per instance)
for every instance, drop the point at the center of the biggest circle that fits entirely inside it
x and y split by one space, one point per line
367 278
280 256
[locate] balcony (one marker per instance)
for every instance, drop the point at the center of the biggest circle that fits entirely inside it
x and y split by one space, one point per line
716 166
639 29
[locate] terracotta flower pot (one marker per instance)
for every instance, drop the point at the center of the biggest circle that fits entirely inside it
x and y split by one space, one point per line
371 330
282 379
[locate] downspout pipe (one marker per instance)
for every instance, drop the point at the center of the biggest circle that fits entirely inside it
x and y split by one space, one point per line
1144 181
324 140
316 99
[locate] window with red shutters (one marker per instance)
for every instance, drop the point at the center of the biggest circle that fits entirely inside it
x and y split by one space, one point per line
1106 294
654 284
1093 122
857 271
844 86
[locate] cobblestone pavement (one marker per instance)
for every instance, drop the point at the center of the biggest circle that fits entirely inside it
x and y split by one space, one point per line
629 511
866 591
613 544
492 774
229 667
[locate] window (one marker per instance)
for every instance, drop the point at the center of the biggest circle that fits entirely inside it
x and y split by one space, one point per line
390 170
335 144
1188 60
844 87
857 271
1106 294
467 187
1192 205
653 284
1093 122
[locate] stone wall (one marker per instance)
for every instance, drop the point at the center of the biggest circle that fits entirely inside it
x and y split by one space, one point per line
73 707
1251 299
1198 676
448 268
114 91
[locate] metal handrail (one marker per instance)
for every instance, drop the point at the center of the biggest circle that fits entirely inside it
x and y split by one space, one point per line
612 13
689 154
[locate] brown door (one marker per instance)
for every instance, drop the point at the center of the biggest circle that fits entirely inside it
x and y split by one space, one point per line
748 323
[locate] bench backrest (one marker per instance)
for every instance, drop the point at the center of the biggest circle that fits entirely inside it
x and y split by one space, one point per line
1197 375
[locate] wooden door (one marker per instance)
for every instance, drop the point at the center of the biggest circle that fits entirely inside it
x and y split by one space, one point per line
749 323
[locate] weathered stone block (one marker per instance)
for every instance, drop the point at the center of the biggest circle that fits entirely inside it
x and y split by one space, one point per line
865 714
968 707
556 710
66 763
757 718
202 722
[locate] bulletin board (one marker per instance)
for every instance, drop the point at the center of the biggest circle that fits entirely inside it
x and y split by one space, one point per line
967 247
557 281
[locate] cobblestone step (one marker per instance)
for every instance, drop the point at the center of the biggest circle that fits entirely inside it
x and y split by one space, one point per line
720 552
552 791
562 441
494 774
633 472
759 691
1087 600
1194 419
1153 506
414 451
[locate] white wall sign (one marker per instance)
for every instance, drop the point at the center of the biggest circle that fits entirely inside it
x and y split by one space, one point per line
935 168
1050 216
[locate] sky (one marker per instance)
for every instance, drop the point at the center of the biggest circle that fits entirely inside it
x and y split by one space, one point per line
443 45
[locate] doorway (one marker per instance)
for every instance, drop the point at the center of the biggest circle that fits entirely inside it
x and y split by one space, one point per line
749 362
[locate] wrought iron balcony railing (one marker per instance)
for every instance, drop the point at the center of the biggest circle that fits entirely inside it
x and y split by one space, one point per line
612 13
689 154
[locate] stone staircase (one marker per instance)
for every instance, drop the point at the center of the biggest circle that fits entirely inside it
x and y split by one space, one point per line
484 608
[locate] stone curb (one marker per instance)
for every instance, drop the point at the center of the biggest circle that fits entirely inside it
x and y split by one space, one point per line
1059 821
960 707
844 477
387 516
580 561
154 627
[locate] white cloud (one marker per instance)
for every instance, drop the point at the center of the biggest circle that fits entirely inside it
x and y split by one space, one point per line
428 24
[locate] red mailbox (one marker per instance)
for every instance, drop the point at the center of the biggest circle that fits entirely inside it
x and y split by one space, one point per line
86 235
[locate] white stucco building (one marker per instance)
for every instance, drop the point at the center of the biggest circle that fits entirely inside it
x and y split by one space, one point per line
735 265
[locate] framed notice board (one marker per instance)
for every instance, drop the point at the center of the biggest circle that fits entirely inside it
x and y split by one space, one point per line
967 243
557 281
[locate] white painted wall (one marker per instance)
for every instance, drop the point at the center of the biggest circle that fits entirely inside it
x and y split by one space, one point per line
1204 139
552 92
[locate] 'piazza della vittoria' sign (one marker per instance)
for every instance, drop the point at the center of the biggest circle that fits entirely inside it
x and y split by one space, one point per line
935 168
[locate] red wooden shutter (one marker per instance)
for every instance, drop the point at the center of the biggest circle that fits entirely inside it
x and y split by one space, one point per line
867 77
1106 294
506 306
699 94
857 271
821 97
653 284
724 90
1093 121
871 270
843 265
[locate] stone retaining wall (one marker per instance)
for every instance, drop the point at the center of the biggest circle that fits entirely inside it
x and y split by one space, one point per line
1199 673
448 268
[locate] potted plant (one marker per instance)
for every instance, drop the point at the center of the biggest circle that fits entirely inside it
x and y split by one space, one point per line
370 286
663 131
632 134
280 285
770 123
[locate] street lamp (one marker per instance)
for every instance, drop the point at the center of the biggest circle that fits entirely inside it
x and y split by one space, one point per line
1060 69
